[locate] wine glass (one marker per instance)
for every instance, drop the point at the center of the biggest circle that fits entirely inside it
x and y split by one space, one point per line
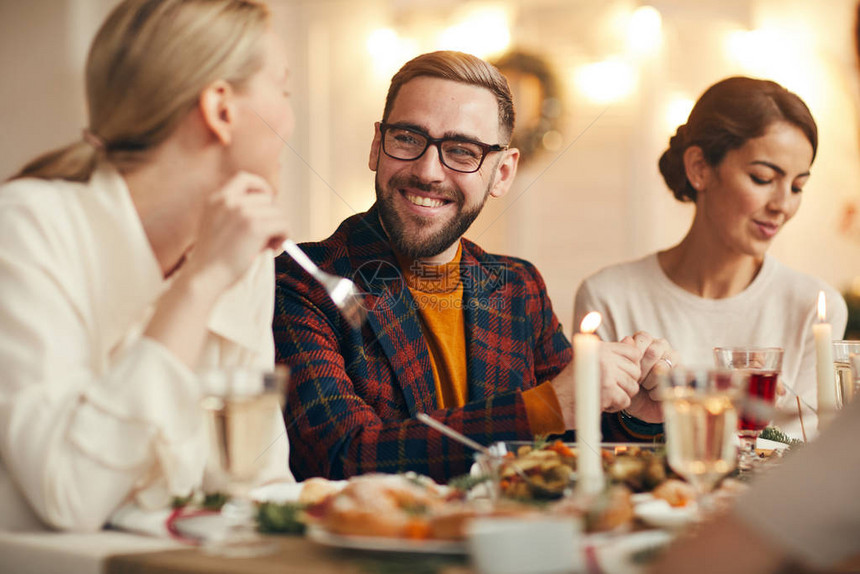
763 365
854 361
242 407
700 421
842 353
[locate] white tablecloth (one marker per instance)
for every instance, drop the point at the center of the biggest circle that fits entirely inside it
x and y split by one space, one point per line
69 553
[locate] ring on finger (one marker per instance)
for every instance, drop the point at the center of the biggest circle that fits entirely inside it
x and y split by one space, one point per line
666 360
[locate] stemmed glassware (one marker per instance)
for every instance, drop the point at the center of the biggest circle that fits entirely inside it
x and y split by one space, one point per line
763 366
843 351
242 407
854 361
700 421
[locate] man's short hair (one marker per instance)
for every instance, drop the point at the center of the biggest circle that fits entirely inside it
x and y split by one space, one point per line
458 67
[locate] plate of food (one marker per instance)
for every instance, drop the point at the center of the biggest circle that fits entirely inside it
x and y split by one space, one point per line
320 535
399 513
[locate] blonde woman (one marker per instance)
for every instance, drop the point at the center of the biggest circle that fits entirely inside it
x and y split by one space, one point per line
137 255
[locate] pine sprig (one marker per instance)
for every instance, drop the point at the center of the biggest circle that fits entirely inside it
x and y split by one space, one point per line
214 500
181 501
776 435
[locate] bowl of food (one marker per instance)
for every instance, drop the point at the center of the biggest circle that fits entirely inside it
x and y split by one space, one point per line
547 470
544 473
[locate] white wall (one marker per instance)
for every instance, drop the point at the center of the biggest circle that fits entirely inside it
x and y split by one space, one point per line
597 201
42 50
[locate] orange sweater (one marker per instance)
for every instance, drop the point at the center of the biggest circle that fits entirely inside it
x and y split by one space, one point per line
438 293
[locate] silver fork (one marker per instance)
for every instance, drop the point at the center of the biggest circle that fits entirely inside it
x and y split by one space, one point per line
343 292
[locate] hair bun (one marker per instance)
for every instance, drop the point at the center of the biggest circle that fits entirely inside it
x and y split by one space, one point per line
672 166
679 140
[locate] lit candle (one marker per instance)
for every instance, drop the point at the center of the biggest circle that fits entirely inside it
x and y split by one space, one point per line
586 372
824 366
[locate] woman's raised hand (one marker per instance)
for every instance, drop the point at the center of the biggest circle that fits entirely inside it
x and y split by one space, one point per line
239 221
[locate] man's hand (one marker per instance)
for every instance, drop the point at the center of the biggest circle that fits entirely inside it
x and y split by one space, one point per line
620 372
627 378
657 355
619 376
565 391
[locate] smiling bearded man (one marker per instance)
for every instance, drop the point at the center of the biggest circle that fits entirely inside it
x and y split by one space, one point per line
452 330
396 228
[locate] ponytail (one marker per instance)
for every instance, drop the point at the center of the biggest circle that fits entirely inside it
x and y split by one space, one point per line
75 162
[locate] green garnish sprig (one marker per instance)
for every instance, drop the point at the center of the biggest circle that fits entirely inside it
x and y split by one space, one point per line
281 518
776 435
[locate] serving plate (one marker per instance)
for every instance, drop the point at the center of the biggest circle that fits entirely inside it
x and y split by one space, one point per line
660 514
320 535
204 525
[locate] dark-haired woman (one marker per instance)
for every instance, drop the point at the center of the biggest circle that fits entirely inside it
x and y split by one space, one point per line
742 158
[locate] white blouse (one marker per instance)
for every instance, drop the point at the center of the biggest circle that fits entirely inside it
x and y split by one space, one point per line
91 412
777 309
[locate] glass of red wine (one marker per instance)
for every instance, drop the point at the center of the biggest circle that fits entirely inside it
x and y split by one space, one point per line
763 365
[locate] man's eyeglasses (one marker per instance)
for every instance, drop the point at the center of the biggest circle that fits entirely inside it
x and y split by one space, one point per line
408 144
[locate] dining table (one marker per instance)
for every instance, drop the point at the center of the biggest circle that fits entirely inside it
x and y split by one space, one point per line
128 548
115 552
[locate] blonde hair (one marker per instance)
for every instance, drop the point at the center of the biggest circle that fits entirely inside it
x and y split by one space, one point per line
145 71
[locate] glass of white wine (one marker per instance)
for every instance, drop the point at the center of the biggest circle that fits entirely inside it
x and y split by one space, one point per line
854 360
842 353
701 422
242 407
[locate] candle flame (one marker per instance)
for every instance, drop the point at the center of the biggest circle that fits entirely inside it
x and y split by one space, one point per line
822 307
590 322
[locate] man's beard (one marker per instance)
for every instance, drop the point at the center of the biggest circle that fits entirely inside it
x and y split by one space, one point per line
420 247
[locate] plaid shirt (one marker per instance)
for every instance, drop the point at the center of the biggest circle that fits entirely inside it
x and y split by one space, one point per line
353 393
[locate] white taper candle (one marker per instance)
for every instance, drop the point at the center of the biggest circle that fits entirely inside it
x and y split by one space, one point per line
824 365
586 369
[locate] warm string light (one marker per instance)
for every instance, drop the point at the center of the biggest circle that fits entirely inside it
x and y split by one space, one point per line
388 51
677 111
777 52
484 32
644 31
774 50
606 82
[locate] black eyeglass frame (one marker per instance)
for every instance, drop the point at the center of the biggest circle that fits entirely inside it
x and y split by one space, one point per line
485 148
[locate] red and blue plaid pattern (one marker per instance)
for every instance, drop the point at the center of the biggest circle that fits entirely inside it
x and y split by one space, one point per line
353 393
